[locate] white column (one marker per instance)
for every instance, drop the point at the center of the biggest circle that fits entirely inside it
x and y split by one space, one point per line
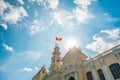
105 70
94 72
76 76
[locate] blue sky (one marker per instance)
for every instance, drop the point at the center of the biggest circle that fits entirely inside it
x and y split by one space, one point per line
28 30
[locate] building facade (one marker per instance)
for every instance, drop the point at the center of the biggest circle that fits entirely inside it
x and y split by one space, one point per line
75 65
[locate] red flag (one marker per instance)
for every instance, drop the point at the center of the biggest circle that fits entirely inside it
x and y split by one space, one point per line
58 39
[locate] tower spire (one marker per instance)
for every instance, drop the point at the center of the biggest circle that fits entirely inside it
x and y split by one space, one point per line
55 62
56 50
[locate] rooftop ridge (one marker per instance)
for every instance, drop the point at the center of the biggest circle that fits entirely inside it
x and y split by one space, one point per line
107 51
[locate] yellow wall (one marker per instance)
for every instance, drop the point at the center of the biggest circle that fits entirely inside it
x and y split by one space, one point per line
82 67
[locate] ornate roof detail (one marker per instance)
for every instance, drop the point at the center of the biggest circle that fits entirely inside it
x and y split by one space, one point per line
56 50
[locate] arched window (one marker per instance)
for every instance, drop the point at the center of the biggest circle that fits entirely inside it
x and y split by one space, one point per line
89 76
71 78
101 75
115 70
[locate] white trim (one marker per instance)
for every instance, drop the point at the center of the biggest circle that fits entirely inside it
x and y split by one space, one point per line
76 76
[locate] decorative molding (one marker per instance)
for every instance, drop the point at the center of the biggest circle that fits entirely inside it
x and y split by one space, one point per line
102 62
94 71
117 54
92 66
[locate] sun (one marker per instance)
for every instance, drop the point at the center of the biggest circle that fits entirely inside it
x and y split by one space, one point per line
71 43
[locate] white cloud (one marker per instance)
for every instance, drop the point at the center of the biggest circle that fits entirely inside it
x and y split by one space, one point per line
13 13
53 4
4 26
49 4
113 34
63 18
8 48
105 40
36 13
81 12
27 69
36 27
3 6
41 2
83 3
67 19
82 15
21 1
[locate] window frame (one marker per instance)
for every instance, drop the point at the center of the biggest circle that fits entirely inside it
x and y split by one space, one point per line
115 70
101 74
89 75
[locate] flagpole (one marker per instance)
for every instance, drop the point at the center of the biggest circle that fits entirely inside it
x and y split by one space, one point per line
56 41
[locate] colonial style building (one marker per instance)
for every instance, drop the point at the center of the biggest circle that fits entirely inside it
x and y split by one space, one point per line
75 65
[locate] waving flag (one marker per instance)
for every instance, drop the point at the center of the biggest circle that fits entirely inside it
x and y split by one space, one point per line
58 39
